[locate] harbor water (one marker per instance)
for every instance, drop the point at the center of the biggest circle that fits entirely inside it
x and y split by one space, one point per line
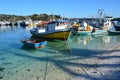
53 62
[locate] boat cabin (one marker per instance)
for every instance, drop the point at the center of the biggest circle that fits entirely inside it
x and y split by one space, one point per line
53 26
57 25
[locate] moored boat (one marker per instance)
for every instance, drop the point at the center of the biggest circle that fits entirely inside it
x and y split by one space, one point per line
84 32
91 33
113 32
87 29
59 29
117 26
98 26
34 43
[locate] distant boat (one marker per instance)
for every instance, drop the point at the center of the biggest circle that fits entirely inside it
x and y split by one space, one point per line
59 29
116 29
98 25
91 33
34 43
86 29
114 32
117 26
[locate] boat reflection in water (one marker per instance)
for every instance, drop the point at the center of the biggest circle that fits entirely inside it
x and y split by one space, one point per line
84 40
7 28
106 39
92 42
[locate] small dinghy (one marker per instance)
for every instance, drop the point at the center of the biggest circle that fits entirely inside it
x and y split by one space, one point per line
34 43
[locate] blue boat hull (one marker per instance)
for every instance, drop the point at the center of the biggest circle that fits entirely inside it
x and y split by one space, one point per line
35 45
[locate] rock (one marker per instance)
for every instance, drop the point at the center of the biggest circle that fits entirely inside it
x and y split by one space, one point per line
28 69
1 69
37 78
1 77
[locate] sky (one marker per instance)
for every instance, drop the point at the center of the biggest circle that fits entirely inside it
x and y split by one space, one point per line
64 8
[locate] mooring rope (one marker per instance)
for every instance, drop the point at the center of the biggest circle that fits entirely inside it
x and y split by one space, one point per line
46 68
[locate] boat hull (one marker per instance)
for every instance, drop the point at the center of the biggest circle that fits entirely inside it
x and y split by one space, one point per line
91 33
114 32
34 45
84 33
117 28
99 32
60 34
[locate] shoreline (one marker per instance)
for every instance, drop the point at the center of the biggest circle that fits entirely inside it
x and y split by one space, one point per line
56 66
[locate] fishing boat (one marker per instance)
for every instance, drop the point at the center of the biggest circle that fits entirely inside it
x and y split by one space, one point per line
117 26
100 26
91 33
114 32
59 29
34 43
86 29
89 30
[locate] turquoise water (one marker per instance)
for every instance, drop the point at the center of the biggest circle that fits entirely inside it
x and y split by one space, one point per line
20 63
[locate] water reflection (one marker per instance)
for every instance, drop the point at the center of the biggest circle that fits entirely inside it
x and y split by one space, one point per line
81 40
84 40
94 42
10 28
106 39
7 28
102 39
